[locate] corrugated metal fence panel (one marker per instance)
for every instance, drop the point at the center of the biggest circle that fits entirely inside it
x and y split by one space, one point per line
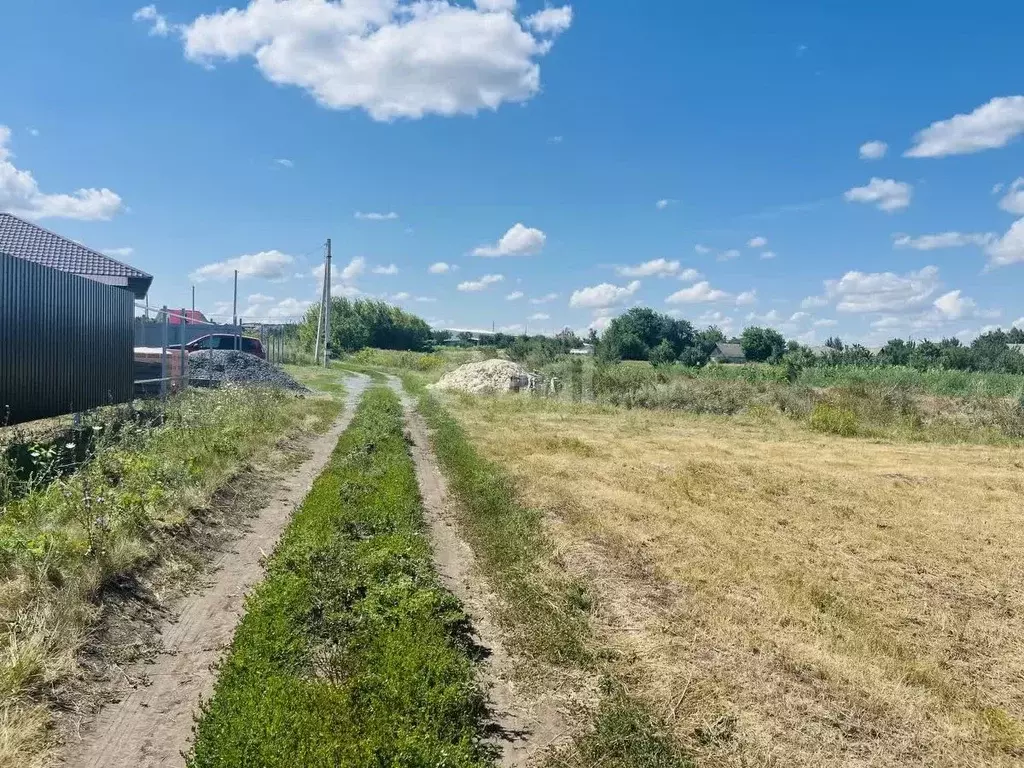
65 342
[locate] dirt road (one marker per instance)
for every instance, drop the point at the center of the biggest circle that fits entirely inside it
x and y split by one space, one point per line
151 726
525 726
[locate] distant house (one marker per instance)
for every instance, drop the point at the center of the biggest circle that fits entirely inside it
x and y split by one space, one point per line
728 353
175 316
66 324
586 350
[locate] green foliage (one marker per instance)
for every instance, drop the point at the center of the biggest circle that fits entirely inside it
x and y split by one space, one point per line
366 323
633 335
350 653
834 420
762 344
663 354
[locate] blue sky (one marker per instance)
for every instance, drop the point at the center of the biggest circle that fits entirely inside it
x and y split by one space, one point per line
593 156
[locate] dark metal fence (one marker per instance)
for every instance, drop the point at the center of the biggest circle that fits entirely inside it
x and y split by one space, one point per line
65 342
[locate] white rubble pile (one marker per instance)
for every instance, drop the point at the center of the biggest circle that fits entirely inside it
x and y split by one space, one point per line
485 377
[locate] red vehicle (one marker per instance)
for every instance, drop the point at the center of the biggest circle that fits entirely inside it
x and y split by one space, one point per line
225 341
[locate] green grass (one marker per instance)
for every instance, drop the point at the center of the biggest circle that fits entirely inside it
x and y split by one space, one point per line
64 542
324 380
350 653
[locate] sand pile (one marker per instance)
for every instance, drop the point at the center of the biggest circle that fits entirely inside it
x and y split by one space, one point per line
484 377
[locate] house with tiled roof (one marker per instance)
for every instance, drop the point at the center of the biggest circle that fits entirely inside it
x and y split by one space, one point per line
25 240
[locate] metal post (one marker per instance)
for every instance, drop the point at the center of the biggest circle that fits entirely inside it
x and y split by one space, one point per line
327 310
193 301
184 359
234 304
163 359
320 317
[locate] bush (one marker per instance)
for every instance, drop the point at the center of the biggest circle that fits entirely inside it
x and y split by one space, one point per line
834 420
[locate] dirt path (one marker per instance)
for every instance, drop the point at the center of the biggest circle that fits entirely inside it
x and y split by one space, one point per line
152 726
524 726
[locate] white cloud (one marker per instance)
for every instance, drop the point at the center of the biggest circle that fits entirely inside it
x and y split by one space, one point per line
942 240
158 26
873 150
260 298
1009 249
518 241
513 328
545 299
729 255
883 291
698 293
659 267
539 316
269 265
551 21
20 194
286 309
402 296
390 269
284 162
603 295
33 131
355 268
769 318
1013 200
990 126
888 194
826 322
119 253
690 275
426 299
372 216
757 242
515 296
496 5
661 205
392 59
556 139
747 297
767 255
1018 323
812 302
481 284
344 290
703 250
953 306
440 268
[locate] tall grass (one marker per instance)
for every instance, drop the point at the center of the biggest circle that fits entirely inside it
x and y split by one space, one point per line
350 653
63 542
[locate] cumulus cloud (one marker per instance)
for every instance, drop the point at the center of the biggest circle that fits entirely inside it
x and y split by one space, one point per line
887 194
990 126
518 241
757 242
661 205
942 240
1013 200
374 216
729 255
953 306
401 296
539 316
20 194
689 275
603 295
873 150
284 162
551 21
1008 249
747 297
545 299
767 255
659 267
158 26
390 269
702 250
269 265
472 286
515 296
354 269
882 291
698 293
440 268
356 54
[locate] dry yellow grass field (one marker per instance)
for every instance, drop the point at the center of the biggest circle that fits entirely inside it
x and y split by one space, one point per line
786 598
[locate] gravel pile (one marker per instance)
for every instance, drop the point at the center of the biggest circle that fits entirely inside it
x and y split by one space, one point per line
239 368
484 377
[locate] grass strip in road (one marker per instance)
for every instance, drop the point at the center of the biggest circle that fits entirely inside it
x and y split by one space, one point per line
350 652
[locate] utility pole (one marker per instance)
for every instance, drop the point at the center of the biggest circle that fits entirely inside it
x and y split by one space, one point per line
193 302
234 304
327 306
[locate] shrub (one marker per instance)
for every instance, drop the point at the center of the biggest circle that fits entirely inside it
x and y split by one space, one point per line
834 420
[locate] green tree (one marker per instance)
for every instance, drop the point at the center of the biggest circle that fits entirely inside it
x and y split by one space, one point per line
663 354
762 344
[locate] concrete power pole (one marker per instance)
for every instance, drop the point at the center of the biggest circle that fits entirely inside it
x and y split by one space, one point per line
327 305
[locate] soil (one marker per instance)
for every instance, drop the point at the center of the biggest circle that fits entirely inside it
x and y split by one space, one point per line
150 725
524 726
